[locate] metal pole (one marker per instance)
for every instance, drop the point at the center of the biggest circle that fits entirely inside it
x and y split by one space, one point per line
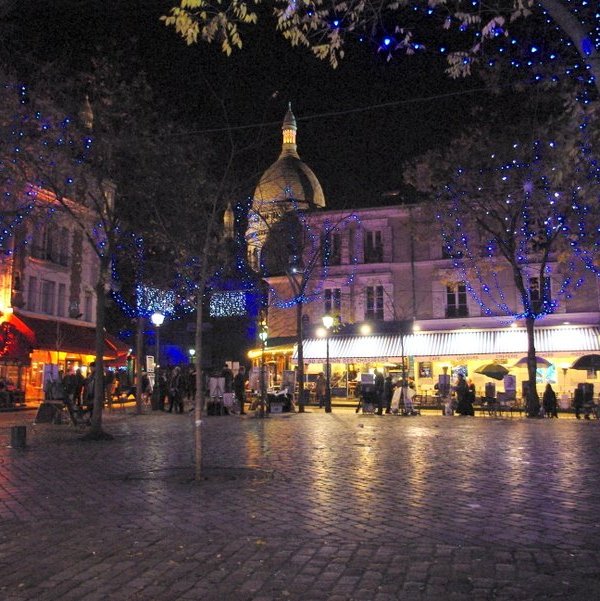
263 390
157 362
328 376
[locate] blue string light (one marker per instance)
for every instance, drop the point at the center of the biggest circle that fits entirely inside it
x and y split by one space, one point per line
546 218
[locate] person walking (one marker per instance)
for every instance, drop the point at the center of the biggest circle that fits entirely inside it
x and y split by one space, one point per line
239 388
321 389
549 402
79 387
176 385
89 388
109 387
388 391
379 385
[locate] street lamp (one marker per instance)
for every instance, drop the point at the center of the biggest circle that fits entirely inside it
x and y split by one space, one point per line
157 319
327 322
192 353
263 334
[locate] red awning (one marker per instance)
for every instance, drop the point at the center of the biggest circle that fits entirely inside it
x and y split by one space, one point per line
56 335
16 342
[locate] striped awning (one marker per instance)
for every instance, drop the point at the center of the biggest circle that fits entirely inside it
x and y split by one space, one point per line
465 342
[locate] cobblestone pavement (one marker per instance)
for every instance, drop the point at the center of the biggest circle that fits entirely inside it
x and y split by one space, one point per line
304 507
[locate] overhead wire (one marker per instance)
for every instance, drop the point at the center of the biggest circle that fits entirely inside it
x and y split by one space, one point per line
329 114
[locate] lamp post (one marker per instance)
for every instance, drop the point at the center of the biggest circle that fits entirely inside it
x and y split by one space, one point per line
192 353
263 334
327 322
157 319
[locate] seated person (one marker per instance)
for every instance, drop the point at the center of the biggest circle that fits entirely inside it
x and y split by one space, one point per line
5 400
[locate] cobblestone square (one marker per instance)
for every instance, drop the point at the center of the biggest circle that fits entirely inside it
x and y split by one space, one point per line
307 507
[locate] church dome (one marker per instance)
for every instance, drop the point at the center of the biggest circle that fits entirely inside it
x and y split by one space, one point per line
289 178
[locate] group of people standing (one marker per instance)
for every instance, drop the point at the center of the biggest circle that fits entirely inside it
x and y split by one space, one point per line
234 384
386 395
176 384
171 387
465 396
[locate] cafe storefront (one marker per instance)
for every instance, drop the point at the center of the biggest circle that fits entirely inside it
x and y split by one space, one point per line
29 344
428 355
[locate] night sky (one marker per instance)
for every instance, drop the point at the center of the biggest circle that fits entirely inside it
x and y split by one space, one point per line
355 146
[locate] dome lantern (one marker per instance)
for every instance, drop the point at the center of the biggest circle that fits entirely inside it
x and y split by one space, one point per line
289 128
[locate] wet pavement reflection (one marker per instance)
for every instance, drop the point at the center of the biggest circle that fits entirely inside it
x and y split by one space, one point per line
307 506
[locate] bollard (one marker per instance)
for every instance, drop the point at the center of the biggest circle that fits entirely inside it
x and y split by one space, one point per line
18 437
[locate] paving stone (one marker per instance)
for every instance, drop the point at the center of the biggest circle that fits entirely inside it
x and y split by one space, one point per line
311 507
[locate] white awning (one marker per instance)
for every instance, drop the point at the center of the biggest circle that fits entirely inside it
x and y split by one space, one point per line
345 349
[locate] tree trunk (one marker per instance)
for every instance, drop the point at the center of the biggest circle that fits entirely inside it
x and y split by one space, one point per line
300 371
96 432
533 400
199 400
139 353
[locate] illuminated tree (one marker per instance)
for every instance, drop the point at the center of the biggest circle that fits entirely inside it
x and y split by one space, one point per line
518 216
533 34
96 166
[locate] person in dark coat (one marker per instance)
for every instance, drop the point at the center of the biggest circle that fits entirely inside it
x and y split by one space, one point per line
70 385
578 399
79 386
470 398
388 391
549 402
461 390
379 385
5 400
89 388
358 395
321 389
163 389
176 388
228 375
239 388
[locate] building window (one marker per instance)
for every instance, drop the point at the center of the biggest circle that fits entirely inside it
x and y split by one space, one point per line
61 303
333 301
456 300
373 247
63 252
87 307
47 299
332 248
52 244
45 247
536 294
32 294
374 304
